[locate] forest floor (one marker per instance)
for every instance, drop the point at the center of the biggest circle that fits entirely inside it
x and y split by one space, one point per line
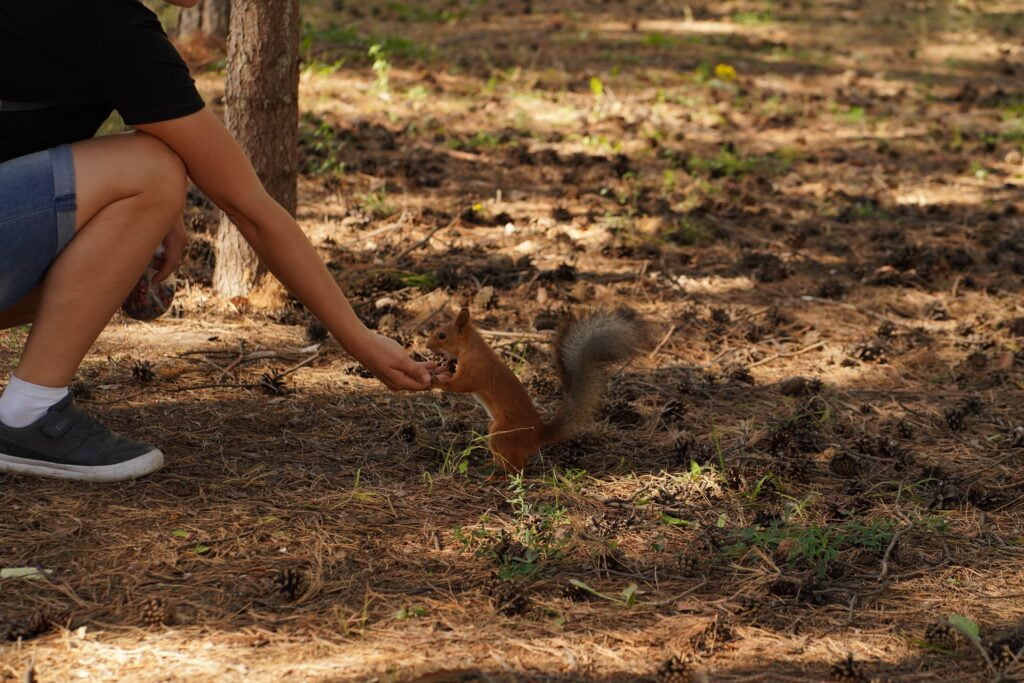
818 205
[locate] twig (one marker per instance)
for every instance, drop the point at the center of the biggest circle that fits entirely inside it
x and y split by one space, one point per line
852 307
422 242
791 354
892 544
298 366
721 355
212 385
640 276
664 340
622 502
418 326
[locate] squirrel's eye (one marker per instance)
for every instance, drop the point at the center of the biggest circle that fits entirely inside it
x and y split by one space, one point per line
442 336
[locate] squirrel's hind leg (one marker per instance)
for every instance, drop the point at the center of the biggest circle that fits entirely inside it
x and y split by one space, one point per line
511 454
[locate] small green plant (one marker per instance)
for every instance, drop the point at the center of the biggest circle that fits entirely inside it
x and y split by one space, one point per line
455 457
658 40
596 87
315 67
853 116
688 232
427 282
411 612
483 139
978 170
815 546
420 14
570 479
530 545
376 203
724 164
322 147
382 68
417 93
753 18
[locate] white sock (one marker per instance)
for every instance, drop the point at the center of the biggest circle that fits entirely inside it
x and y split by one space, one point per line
22 403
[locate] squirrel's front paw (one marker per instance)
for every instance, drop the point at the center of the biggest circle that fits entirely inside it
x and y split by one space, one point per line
439 378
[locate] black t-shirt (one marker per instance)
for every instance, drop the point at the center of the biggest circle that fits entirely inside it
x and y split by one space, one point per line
87 57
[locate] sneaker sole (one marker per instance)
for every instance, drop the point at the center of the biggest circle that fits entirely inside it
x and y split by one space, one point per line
146 463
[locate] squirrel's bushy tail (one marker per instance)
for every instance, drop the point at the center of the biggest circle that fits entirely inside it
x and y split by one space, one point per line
585 348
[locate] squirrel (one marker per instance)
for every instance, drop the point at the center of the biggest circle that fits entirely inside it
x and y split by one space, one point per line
584 347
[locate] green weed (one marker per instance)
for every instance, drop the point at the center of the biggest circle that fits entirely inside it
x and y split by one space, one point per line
852 116
727 163
658 40
688 232
427 282
455 458
381 68
530 547
753 18
420 14
376 203
814 546
322 147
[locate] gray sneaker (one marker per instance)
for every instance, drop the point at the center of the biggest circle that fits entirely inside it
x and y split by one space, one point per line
68 444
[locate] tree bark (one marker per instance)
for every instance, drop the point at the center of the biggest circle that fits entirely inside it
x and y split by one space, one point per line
216 17
211 17
262 103
190 20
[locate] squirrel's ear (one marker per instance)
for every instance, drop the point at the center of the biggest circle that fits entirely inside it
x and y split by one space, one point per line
462 320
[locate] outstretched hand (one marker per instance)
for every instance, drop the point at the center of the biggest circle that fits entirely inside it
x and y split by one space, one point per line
389 363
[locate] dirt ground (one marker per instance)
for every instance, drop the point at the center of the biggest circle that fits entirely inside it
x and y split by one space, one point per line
819 206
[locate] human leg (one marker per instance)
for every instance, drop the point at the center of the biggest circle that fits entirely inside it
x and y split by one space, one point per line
130 189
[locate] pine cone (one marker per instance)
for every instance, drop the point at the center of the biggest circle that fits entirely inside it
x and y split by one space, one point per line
847 670
315 331
506 597
273 384
845 465
672 412
712 537
408 433
1005 650
542 385
689 562
142 371
154 613
943 635
955 420
674 670
799 468
289 583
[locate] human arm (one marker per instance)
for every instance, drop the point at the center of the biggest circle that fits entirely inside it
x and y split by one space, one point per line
217 164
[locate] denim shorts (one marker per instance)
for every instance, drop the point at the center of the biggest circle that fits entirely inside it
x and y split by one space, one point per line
37 218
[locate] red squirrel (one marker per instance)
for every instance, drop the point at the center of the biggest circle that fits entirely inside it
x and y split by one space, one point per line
584 349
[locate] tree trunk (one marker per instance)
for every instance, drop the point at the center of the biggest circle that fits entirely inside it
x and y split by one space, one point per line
190 21
262 103
210 17
216 17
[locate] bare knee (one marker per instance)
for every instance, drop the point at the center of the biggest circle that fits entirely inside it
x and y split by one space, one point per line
132 166
161 173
